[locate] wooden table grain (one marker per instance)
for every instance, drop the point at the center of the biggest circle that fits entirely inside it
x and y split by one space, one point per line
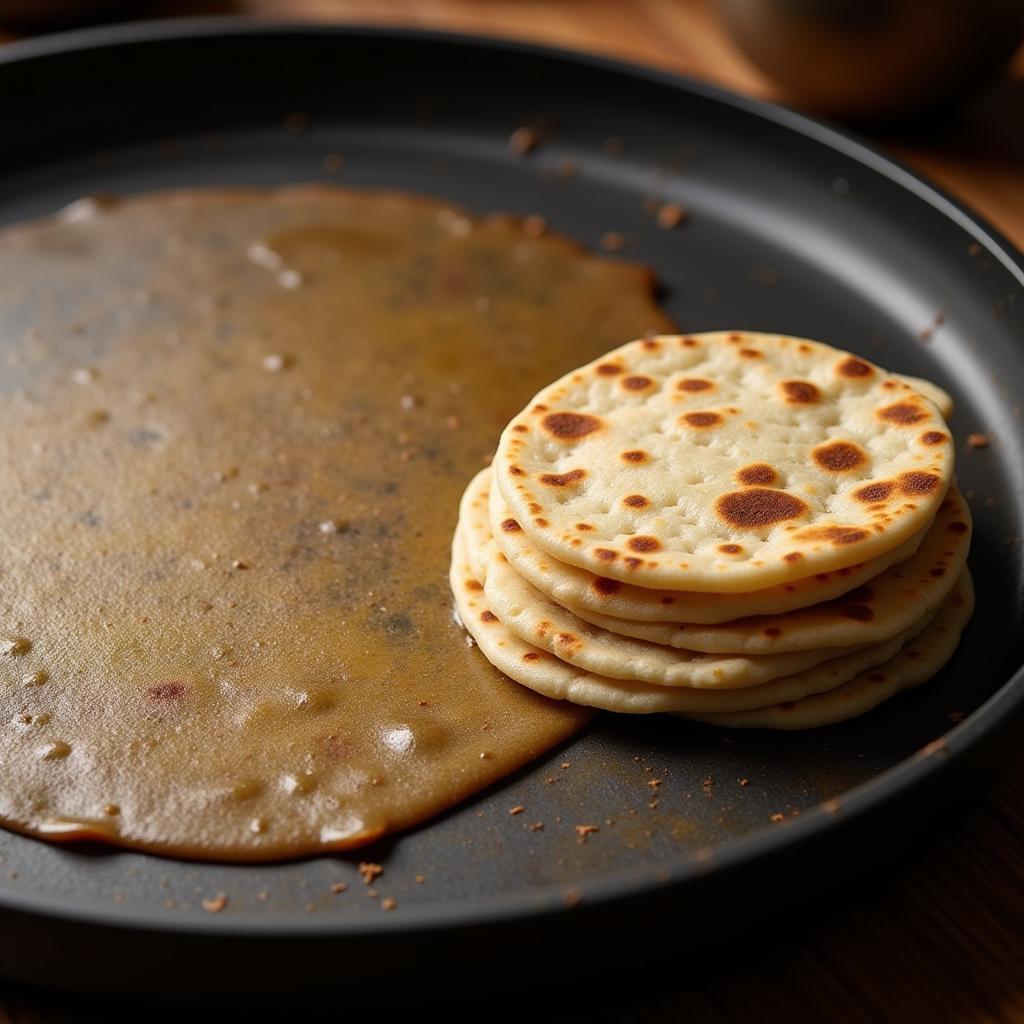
942 937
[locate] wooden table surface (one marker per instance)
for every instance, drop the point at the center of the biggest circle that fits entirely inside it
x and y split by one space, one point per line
942 938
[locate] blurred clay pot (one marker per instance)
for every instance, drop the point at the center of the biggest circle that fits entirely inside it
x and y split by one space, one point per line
877 59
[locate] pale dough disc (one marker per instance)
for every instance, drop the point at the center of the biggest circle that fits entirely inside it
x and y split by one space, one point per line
917 662
578 589
552 677
724 462
875 611
540 621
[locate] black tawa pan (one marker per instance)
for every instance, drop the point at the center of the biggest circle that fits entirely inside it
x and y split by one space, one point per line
794 228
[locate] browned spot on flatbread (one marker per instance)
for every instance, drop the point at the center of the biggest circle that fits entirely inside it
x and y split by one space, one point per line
757 473
701 420
689 342
750 353
632 562
584 527
758 507
694 384
635 501
903 414
839 456
933 437
643 544
531 656
605 554
567 479
773 632
730 549
516 471
510 526
800 392
854 368
792 556
919 484
488 616
637 383
839 535
636 456
608 369
570 426
875 492
166 691
957 527
651 344
541 522
603 585
474 585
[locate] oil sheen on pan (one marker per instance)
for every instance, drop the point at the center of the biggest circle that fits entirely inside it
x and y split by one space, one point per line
235 427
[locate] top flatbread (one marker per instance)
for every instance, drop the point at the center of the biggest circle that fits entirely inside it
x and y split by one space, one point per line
724 462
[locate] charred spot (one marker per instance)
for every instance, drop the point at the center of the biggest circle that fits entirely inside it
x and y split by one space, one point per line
735 339
792 557
632 562
535 509
694 384
166 691
757 507
510 526
541 522
919 484
688 343
667 599
540 408
637 383
603 585
531 656
837 534
570 426
605 554
839 456
568 639
584 527
521 428
859 612
635 501
488 616
872 493
643 544
516 471
757 473
701 420
933 437
937 572
636 455
854 368
650 344
573 476
474 585
773 632
903 414
800 392
750 353
608 369
957 527
730 549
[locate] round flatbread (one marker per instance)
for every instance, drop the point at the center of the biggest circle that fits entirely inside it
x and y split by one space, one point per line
943 399
875 611
539 621
724 462
578 589
549 675
917 662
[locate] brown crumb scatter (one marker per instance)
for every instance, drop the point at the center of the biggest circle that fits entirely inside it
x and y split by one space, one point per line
263 895
372 893
585 830
523 140
744 783
565 764
935 747
654 783
518 809
310 908
420 879
777 818
957 716
216 904
572 897
979 440
537 826
671 215
369 871
388 903
613 241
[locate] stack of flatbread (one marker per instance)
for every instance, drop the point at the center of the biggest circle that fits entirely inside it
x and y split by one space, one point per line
745 529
